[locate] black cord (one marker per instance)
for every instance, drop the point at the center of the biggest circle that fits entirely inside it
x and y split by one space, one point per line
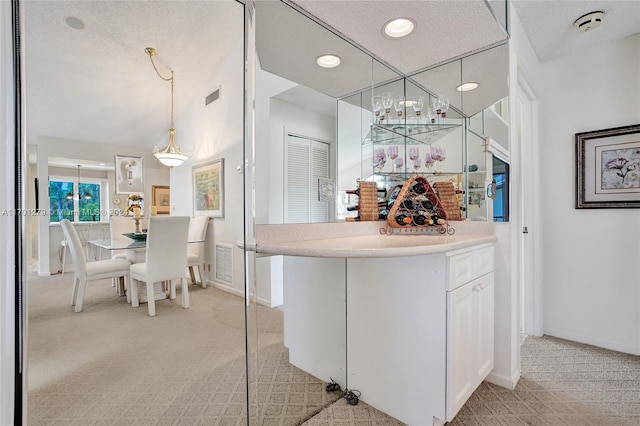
332 386
352 396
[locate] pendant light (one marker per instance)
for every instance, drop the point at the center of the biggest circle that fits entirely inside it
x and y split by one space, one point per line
170 156
72 196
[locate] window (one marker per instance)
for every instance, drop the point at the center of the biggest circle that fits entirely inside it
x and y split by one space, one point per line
78 209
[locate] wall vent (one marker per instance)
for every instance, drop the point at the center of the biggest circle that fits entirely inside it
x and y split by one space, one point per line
224 263
214 96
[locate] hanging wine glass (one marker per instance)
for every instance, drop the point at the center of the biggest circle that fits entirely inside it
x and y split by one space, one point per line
376 104
398 163
380 158
398 105
416 165
418 103
392 152
387 103
444 107
428 161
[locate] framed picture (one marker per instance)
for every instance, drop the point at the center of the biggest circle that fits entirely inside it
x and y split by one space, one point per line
208 189
161 198
128 175
608 168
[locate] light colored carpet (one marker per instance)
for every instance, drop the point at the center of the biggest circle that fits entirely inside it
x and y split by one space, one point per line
112 364
563 383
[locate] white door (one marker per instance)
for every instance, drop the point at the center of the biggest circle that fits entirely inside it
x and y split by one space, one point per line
306 160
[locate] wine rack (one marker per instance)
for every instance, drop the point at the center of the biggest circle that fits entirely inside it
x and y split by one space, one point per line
418 206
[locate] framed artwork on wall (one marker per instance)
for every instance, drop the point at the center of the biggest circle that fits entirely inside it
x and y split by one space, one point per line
208 188
128 175
608 168
161 199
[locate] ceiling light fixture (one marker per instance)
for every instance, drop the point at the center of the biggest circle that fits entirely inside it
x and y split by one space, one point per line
590 21
170 156
72 196
399 27
328 61
466 87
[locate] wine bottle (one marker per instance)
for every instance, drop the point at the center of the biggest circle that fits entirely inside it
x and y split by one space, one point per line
401 219
418 188
357 191
354 208
407 204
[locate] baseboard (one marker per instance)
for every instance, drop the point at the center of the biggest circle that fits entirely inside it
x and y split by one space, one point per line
590 340
45 274
503 380
229 289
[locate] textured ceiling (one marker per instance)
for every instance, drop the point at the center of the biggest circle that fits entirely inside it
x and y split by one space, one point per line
98 85
549 24
444 29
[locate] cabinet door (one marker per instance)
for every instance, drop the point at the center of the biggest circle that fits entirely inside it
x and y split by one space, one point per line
483 314
469 340
461 372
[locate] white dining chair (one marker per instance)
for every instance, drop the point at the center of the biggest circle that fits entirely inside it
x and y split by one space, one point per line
197 232
119 225
89 271
166 260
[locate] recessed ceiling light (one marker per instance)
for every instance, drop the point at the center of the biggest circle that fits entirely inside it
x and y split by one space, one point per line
399 27
75 23
465 87
328 61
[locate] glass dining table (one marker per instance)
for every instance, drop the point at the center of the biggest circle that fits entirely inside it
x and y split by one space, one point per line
135 251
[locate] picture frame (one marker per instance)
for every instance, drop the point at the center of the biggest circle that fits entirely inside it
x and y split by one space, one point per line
608 168
129 175
161 198
208 188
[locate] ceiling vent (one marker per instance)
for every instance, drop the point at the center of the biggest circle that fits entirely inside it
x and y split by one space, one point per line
590 21
214 96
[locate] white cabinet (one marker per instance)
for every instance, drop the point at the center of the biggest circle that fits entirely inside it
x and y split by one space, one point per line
469 323
469 340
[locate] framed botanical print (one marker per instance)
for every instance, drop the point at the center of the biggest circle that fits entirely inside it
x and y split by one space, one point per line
608 168
208 188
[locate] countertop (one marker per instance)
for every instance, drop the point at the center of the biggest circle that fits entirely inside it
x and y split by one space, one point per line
374 245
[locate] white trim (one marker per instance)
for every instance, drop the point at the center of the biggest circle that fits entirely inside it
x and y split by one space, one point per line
504 381
527 125
237 292
590 340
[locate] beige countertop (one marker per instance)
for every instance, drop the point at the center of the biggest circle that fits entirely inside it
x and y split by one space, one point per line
374 245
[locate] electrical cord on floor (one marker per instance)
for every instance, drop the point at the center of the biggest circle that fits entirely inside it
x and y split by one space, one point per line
352 396
332 386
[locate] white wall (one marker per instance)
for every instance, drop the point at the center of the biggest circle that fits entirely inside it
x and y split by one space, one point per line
212 132
591 257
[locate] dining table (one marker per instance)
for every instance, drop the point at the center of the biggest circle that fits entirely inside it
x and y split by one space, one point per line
135 251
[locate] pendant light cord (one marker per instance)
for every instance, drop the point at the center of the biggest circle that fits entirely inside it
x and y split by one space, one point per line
152 52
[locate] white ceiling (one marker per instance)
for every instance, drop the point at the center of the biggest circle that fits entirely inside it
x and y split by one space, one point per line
549 24
98 85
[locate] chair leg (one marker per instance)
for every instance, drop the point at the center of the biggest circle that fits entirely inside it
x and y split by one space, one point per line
132 294
193 277
64 257
82 286
151 299
172 289
74 292
185 293
202 280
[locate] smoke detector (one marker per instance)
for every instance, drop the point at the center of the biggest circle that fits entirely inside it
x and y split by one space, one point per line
590 21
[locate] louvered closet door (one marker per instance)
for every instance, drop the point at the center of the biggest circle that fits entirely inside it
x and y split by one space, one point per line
305 161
